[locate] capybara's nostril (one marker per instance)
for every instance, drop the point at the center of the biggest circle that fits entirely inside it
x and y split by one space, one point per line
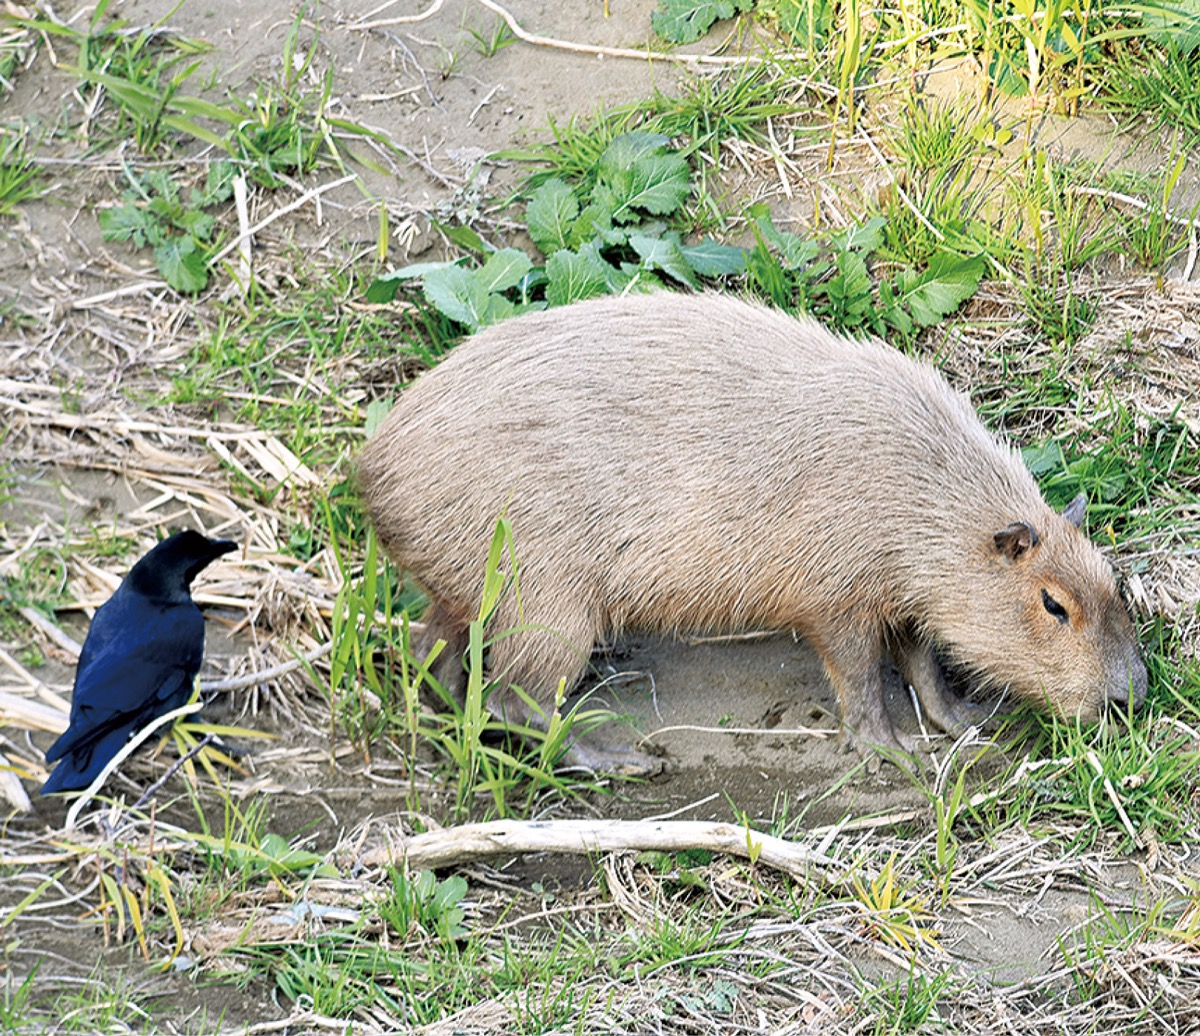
1132 688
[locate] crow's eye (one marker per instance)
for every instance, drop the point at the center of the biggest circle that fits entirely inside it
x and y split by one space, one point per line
1054 608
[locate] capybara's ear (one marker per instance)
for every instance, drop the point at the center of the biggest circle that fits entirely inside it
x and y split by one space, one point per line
1015 540
1074 511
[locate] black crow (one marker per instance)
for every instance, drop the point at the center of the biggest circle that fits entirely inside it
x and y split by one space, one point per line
139 660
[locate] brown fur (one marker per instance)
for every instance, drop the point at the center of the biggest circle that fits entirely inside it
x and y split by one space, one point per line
679 463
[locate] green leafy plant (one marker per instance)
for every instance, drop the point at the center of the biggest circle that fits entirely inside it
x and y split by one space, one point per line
154 213
685 21
1124 781
420 901
807 24
850 51
375 686
909 1005
143 73
1154 236
894 914
283 128
1153 84
603 236
1058 48
465 731
830 278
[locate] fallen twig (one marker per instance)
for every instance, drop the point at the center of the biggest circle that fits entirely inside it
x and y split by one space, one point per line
407 19
238 683
262 224
618 52
453 846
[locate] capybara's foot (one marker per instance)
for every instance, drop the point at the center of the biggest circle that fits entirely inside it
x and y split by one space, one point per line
617 760
881 742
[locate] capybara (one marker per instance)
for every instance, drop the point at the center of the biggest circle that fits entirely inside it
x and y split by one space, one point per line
702 464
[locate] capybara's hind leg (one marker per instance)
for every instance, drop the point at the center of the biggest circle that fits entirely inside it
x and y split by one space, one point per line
921 669
448 670
537 661
853 666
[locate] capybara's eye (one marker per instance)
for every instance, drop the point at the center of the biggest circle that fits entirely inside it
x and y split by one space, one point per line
1054 608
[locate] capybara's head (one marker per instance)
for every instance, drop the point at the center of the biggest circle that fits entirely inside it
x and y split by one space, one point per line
1047 621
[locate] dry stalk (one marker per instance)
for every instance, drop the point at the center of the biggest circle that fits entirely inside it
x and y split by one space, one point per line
470 843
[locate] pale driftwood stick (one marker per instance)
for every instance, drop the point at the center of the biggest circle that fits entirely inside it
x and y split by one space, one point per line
38 620
262 224
616 52
55 701
244 240
409 19
11 788
18 711
1136 203
818 732
238 683
118 293
452 846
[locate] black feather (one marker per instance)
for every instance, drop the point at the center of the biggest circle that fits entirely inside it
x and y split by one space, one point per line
139 659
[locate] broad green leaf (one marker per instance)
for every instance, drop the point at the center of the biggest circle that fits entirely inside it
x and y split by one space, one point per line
550 213
685 21
595 220
636 173
623 151
1174 25
1043 458
573 276
1006 76
182 264
796 250
849 290
658 253
948 282
125 223
459 294
377 410
504 269
498 308
197 223
712 259
466 238
218 186
868 236
383 289
450 892
891 312
657 184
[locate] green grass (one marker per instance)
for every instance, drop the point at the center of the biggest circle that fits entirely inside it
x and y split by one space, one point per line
910 1004
490 41
20 177
376 686
1154 87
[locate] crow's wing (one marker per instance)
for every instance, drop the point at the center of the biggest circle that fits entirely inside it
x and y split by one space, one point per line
138 662
82 765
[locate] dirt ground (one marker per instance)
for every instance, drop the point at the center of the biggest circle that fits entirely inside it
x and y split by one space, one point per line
745 726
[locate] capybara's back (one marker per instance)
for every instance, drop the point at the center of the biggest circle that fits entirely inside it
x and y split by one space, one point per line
698 463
